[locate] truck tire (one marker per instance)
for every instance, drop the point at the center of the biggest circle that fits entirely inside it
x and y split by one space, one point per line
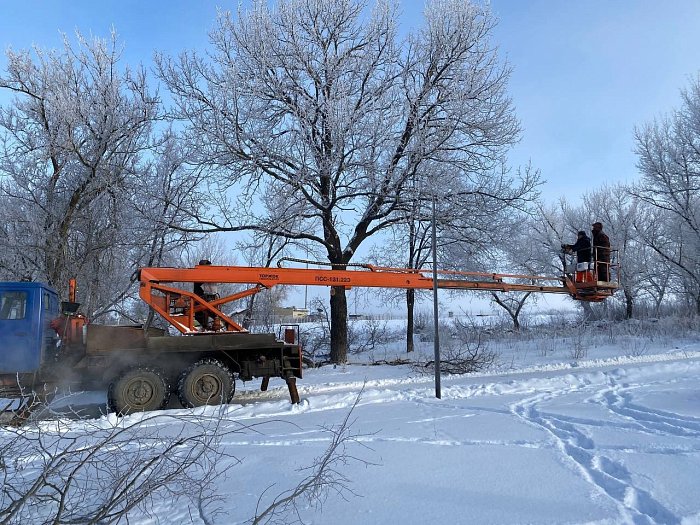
139 389
206 382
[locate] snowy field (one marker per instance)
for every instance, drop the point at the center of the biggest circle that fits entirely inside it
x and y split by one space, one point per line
544 436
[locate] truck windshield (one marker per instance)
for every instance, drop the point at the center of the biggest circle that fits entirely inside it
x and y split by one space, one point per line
13 305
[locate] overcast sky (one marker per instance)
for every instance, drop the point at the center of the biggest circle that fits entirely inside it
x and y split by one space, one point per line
584 73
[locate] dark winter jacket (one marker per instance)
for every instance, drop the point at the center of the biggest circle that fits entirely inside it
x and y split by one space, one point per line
601 246
582 249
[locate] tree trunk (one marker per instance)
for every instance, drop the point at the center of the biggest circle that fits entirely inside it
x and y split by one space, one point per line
514 313
410 306
587 311
629 305
339 325
516 322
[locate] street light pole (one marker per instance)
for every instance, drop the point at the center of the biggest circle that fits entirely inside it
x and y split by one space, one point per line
436 338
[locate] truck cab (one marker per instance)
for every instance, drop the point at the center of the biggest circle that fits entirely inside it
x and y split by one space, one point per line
26 310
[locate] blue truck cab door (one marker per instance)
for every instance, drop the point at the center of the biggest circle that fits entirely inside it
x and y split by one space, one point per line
26 309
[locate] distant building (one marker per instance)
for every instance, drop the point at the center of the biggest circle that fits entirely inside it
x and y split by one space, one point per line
290 312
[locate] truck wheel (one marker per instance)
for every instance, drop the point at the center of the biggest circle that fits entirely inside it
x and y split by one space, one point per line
207 382
138 390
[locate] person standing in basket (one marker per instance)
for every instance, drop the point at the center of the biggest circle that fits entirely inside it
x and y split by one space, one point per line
601 252
582 248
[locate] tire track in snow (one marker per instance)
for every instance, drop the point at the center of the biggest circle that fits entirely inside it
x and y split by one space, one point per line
636 506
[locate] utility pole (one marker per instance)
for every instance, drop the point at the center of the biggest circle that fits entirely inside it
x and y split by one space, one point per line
438 392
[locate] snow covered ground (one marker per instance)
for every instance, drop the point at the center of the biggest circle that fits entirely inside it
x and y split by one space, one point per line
541 438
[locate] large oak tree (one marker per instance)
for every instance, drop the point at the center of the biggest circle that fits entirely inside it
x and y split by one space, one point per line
316 118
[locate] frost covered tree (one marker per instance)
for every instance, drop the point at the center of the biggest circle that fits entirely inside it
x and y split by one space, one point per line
486 228
620 211
644 275
478 218
85 188
550 227
657 277
668 151
316 117
519 253
641 273
475 214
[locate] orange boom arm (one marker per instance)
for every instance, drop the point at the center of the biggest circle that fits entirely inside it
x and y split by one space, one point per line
178 306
